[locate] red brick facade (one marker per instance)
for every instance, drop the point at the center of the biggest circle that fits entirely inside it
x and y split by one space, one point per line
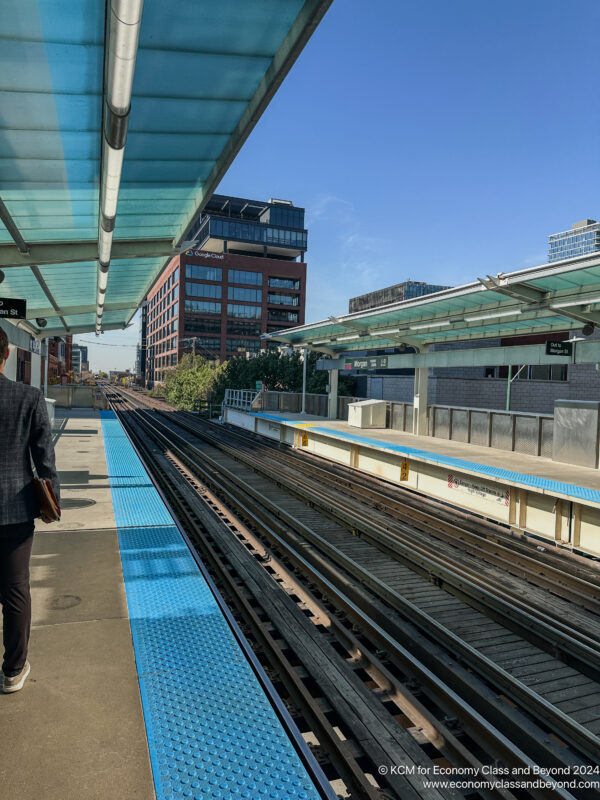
218 305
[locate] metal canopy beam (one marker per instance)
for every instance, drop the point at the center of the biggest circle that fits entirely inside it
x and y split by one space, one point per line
46 253
46 332
519 291
68 311
48 293
583 353
11 227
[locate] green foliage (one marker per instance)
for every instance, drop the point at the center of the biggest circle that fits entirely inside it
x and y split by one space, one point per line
278 372
192 380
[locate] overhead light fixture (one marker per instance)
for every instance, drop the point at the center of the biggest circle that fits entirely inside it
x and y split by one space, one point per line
41 322
384 331
125 19
493 315
588 302
349 338
1 276
423 326
323 341
104 245
112 166
102 279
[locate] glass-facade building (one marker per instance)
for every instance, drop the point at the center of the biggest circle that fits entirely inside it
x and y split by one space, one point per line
245 277
393 294
581 239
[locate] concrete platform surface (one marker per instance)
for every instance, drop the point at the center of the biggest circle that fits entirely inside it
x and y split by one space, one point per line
76 730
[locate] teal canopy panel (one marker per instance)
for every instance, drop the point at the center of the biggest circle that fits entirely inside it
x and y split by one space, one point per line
552 297
204 73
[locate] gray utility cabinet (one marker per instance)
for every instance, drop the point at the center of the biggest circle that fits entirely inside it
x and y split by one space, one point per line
576 432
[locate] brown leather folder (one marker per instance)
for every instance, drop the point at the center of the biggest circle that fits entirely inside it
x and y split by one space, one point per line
49 507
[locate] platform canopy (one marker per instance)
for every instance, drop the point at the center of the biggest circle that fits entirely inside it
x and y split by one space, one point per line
117 123
552 297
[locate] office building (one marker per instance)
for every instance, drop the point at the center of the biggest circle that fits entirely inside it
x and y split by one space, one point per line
246 276
581 239
140 352
79 356
392 294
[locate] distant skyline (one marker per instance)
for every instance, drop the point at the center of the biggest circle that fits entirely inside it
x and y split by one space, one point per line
434 142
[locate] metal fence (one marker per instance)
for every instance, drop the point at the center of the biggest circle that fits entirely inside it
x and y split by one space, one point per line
517 431
315 404
504 430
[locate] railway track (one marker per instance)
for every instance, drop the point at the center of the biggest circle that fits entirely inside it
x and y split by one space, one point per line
471 653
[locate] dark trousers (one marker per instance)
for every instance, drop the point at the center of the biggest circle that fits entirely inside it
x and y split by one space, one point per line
15 552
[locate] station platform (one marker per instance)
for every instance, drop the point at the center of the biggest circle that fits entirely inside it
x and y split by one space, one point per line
559 502
139 685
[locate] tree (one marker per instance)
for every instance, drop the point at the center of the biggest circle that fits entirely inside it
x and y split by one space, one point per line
279 372
191 381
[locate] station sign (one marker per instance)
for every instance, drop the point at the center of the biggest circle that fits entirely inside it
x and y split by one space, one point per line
13 309
559 348
367 362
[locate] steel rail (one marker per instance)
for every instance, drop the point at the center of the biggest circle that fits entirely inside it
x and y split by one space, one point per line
510 752
366 790
533 568
577 734
305 755
547 632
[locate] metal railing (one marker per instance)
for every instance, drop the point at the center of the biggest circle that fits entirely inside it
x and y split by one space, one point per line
315 404
517 431
241 399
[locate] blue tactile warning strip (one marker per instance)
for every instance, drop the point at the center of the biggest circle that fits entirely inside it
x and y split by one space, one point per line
497 473
212 732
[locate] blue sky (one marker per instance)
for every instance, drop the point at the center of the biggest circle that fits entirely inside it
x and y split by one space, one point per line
433 141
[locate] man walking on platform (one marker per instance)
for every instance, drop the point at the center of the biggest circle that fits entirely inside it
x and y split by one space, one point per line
25 434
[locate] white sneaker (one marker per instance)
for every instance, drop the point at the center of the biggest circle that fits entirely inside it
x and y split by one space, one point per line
16 683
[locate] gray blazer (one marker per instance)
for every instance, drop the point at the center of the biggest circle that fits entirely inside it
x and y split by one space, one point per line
25 434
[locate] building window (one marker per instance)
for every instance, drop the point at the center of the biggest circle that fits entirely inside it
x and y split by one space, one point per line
202 307
284 283
176 274
541 372
202 273
196 344
194 324
241 327
245 312
202 290
176 292
234 345
284 299
243 276
249 295
282 316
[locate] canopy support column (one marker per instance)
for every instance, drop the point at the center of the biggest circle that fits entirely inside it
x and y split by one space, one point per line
420 402
333 394
304 360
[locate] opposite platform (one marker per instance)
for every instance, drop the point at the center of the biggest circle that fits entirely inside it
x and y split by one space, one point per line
559 502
